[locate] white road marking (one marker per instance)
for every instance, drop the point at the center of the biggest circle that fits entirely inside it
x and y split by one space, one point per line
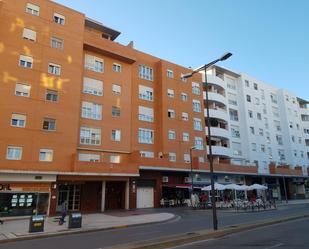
274 246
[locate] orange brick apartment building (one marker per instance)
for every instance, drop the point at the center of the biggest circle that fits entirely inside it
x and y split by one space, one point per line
88 120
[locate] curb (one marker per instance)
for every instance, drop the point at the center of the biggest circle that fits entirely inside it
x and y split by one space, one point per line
181 239
79 231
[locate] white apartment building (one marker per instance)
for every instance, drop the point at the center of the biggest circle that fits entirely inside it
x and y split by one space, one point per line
253 122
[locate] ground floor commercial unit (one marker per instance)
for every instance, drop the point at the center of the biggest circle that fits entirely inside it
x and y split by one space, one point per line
28 193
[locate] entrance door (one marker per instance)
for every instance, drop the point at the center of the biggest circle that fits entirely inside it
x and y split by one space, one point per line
71 194
115 195
144 198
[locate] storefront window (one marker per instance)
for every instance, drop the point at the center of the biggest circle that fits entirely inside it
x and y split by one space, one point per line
23 203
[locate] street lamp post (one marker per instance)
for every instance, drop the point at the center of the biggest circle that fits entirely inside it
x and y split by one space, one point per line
205 85
191 173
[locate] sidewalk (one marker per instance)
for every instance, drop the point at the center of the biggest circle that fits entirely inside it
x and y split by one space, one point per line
293 202
18 229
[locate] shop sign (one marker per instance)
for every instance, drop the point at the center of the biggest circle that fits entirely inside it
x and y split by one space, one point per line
5 187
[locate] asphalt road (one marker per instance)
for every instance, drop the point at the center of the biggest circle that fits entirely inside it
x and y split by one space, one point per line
189 221
288 235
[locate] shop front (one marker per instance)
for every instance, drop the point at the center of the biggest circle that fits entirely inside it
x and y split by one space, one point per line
23 194
20 199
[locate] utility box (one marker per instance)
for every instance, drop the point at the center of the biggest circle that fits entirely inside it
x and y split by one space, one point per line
36 224
75 220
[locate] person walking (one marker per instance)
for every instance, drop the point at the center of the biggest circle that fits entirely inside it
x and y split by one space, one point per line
64 210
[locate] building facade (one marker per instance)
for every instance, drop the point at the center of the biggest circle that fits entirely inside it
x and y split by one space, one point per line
103 125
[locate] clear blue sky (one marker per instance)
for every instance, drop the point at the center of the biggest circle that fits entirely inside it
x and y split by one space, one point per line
269 38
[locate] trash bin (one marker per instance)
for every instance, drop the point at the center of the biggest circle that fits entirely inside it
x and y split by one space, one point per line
75 220
36 224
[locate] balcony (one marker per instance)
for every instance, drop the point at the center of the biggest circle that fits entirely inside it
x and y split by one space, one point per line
213 96
304 111
214 80
220 151
285 170
217 113
218 132
231 168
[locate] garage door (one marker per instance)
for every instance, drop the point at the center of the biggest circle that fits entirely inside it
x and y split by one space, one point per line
144 198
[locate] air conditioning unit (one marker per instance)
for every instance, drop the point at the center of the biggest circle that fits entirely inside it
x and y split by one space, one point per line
165 179
187 180
160 154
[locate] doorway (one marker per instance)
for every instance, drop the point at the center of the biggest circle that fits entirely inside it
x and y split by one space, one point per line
71 194
115 195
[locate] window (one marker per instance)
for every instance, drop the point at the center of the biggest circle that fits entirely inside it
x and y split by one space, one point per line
185 137
56 43
297 126
171 134
261 132
237 151
248 98
90 136
116 67
293 138
49 124
148 154
232 99
145 93
29 34
145 72
25 61
273 98
184 97
264 109
186 158
235 131
93 86
197 124
91 110
14 153
299 140
196 105
171 113
22 90
170 93
253 146
145 114
257 101
302 154
281 154
59 19
268 137
259 116
263 148
275 111
262 94
114 159
184 116
231 84
252 130
54 69
233 114
116 89
172 157
250 113
18 120
115 111
201 159
145 136
46 155
33 9
198 143
196 88
247 83
170 74
86 157
255 86
277 125
116 135
270 153
51 95
279 139
93 63
266 123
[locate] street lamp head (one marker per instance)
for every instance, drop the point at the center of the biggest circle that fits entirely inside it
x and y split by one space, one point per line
225 56
186 76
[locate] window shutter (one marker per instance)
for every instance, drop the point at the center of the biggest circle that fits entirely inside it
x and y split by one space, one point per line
29 34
